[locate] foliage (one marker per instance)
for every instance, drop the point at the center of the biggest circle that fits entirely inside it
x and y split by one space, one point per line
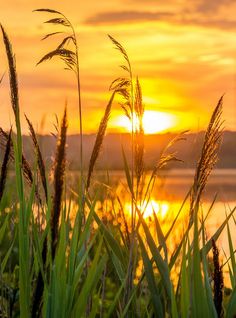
62 257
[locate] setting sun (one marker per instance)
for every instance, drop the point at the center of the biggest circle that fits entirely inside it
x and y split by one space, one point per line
153 206
153 122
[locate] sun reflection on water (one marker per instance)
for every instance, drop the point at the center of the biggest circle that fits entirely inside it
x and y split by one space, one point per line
161 208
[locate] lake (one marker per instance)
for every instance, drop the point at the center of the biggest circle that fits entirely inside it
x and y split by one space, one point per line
171 188
168 194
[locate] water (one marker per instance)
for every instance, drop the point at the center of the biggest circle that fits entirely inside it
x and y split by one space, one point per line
171 188
167 196
222 182
175 183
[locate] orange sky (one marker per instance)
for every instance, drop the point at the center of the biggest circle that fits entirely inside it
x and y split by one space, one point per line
183 52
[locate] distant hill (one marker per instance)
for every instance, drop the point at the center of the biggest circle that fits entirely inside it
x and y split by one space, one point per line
111 153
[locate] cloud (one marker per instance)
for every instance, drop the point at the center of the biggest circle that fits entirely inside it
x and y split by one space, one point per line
208 6
117 17
205 13
216 23
203 6
126 16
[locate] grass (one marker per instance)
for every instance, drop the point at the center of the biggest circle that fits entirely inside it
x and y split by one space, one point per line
68 260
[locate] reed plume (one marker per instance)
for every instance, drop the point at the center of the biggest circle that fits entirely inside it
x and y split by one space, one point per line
126 89
2 77
124 84
59 172
12 73
99 139
5 165
3 141
139 133
218 281
40 161
71 59
27 172
168 156
68 56
208 158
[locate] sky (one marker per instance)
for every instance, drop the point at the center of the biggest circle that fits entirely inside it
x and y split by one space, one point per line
183 52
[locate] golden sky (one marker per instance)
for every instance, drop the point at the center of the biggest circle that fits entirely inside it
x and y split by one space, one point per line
182 50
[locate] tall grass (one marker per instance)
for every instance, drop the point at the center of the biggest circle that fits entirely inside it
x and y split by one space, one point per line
71 59
77 262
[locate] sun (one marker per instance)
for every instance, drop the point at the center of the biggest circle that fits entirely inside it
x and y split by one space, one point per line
153 122
148 208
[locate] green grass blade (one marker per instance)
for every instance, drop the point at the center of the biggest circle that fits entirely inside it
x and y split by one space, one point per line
232 256
155 296
115 301
231 308
4 227
218 232
161 237
208 288
184 285
112 242
160 263
6 257
127 172
199 303
93 276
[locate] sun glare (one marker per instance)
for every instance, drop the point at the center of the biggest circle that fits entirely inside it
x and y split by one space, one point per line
153 122
153 206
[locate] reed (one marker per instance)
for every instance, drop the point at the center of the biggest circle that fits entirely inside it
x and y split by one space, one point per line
208 158
71 60
73 259
39 157
126 87
27 171
59 173
99 139
218 281
4 167
24 253
139 135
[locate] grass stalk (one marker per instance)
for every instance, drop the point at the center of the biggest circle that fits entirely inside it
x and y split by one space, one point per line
24 252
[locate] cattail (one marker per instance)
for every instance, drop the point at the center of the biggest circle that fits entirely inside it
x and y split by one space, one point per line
40 161
218 281
209 157
5 165
99 139
58 183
